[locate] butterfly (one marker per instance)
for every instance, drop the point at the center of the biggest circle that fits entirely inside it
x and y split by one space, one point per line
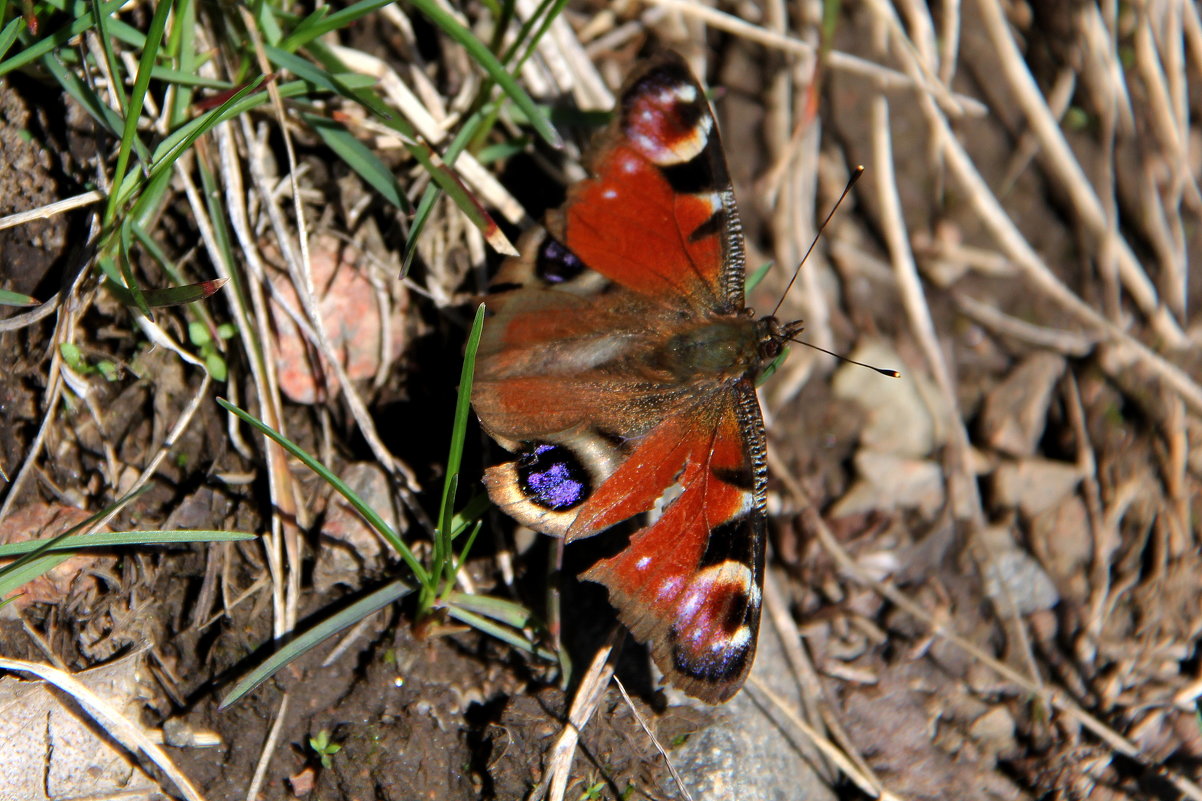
619 368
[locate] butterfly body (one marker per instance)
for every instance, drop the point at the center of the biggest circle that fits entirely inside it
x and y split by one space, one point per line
619 368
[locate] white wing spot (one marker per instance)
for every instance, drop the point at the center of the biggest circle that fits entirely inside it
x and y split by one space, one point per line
609 194
714 201
668 588
642 563
681 93
736 642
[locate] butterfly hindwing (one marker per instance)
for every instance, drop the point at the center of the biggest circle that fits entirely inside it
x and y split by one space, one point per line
618 369
690 583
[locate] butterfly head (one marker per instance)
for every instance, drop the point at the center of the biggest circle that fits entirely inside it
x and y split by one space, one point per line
773 334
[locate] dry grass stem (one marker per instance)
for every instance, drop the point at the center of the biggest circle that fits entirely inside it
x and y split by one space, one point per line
867 782
269 749
111 720
684 791
1070 343
52 209
588 696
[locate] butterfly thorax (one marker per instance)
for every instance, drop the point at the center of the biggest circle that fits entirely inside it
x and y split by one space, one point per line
712 350
718 349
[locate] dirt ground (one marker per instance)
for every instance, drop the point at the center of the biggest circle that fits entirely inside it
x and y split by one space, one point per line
988 569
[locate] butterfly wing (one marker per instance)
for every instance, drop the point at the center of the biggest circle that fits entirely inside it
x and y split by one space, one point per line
617 369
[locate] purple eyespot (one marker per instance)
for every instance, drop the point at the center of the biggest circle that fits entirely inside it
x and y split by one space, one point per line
556 264
552 477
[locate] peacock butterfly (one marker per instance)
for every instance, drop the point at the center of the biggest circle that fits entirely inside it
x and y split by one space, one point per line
619 368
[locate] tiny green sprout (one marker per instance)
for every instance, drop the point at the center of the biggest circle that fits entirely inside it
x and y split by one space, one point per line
181 460
593 792
679 740
1077 119
78 363
199 335
628 792
322 746
108 370
73 356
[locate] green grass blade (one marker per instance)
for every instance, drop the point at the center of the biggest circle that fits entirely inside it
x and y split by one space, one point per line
265 18
181 45
316 24
754 279
9 298
508 612
79 91
26 571
360 158
502 633
463 552
137 99
181 78
425 206
171 296
127 268
174 146
57 39
475 509
110 539
455 456
495 69
335 79
546 13
311 638
12 30
34 563
368 514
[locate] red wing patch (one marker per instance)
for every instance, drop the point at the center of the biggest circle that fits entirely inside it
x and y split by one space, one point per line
659 217
689 584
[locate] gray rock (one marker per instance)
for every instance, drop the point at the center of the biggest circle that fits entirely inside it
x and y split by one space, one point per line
1035 485
892 482
1015 411
745 756
899 411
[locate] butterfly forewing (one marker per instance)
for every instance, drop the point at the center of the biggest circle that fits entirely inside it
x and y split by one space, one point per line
619 368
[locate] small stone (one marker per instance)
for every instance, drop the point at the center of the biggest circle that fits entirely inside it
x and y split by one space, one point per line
1034 485
1061 539
350 309
76 573
898 411
890 482
994 730
1014 577
1015 411
349 546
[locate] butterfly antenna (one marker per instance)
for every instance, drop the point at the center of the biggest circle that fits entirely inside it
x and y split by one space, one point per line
855 176
842 358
